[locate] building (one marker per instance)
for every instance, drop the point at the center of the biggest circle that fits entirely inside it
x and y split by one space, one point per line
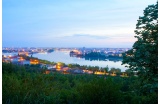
88 71
59 66
34 61
23 53
24 62
77 71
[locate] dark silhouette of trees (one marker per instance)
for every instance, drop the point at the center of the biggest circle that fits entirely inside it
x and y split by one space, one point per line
143 57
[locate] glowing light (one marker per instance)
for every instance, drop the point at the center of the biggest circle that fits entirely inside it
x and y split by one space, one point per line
99 73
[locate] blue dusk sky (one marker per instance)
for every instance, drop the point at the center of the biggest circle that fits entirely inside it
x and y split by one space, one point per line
71 23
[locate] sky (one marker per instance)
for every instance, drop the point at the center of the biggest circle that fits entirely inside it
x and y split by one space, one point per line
71 23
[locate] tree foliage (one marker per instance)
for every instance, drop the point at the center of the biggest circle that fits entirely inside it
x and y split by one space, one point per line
115 70
21 86
143 57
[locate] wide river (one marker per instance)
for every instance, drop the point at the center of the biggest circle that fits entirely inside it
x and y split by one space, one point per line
64 56
61 56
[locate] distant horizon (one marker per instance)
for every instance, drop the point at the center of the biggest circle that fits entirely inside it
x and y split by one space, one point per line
65 47
89 23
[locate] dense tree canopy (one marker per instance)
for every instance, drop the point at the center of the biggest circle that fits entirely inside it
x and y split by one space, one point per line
25 85
143 57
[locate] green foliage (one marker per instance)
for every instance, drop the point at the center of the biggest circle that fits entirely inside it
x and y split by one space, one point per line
23 86
115 70
99 91
46 62
73 65
106 69
11 68
94 54
129 72
143 57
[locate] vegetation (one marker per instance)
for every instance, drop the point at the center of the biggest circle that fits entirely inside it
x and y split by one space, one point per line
143 57
101 56
23 86
114 70
46 62
115 56
94 54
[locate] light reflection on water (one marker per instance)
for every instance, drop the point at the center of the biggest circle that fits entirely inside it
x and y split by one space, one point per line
59 56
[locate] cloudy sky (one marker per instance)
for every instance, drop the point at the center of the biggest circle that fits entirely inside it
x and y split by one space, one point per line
71 23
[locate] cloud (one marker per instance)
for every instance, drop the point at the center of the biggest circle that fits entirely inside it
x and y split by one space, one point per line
87 36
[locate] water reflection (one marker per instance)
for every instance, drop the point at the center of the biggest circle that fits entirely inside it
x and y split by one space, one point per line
59 56
97 58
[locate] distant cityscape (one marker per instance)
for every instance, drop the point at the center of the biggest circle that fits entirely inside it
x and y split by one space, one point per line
23 56
77 51
103 54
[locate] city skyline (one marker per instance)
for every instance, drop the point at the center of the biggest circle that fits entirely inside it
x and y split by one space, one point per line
103 23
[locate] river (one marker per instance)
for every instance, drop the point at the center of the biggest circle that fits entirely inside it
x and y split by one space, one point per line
64 56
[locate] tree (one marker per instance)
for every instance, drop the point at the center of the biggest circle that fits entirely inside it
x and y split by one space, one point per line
143 57
129 72
106 69
115 70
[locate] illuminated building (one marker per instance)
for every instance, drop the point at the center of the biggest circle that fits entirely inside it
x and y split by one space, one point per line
34 61
59 65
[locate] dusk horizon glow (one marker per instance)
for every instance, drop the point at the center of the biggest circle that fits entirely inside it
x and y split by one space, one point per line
81 23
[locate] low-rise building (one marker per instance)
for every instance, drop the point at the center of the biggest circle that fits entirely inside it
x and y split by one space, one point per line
24 62
77 71
88 71
59 66
34 61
